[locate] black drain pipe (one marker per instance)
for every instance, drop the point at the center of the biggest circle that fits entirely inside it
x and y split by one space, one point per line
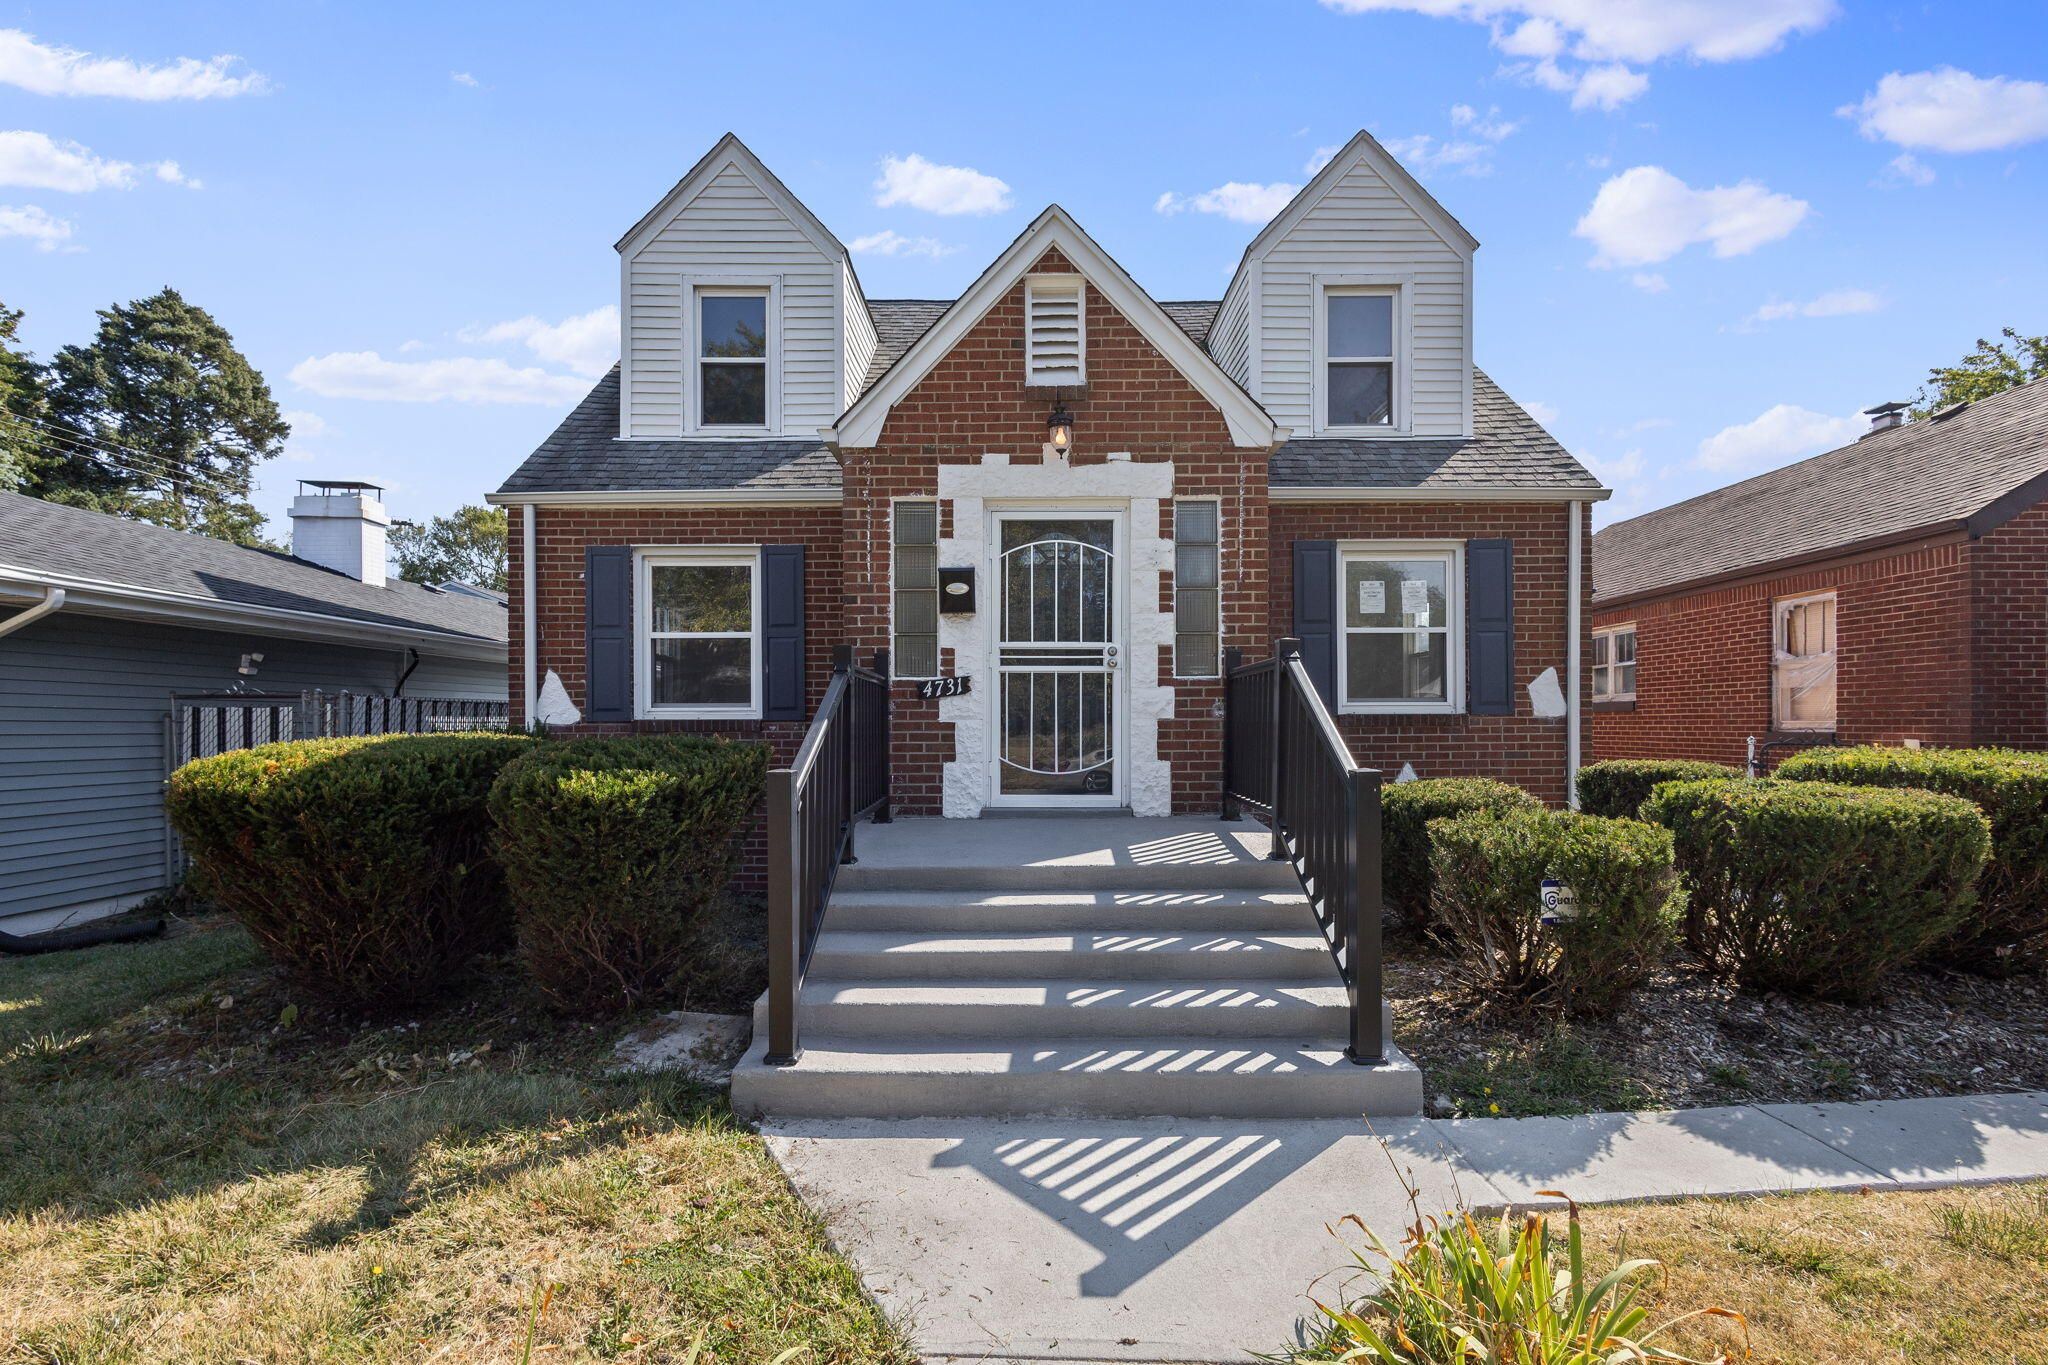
86 936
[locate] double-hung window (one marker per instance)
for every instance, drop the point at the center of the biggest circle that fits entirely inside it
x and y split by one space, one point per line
699 653
1360 360
732 358
1614 664
1402 646
1803 663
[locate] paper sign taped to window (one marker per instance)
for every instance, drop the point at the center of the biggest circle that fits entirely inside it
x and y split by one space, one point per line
1372 597
1414 596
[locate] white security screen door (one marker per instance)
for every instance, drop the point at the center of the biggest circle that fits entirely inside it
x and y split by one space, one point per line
1057 718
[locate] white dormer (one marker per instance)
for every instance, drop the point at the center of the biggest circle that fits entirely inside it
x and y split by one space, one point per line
740 316
1351 314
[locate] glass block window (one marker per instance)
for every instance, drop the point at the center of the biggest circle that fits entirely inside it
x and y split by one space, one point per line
1197 589
916 546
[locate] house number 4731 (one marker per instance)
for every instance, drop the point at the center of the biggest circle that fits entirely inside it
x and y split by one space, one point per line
945 687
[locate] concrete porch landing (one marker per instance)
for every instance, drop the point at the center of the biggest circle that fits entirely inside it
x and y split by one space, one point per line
1108 850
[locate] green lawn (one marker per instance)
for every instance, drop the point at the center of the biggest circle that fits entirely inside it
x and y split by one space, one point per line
197 1166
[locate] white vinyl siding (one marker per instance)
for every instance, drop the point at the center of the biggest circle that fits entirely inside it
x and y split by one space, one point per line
1363 233
731 230
860 336
1230 336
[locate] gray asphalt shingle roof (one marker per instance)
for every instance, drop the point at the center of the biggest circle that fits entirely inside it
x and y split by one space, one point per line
1922 476
1507 449
70 542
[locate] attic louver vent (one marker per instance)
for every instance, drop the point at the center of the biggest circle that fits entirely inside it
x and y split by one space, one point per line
1053 334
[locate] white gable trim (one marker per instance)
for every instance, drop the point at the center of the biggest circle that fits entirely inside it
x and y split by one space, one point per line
1364 147
730 151
1248 422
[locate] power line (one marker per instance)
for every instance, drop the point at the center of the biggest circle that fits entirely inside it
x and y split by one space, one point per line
140 459
191 481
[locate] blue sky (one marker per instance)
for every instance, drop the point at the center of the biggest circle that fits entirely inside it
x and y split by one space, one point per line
1712 229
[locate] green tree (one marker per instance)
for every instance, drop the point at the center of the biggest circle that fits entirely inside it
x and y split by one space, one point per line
178 417
467 546
23 391
1993 367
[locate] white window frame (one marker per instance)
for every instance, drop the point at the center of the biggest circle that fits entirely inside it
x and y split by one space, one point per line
1781 609
1602 673
695 289
1396 287
645 561
1452 552
1058 286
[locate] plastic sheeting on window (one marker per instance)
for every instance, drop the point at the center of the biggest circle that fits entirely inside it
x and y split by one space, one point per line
1805 689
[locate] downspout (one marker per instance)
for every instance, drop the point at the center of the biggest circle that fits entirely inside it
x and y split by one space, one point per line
530 643
413 661
1574 589
53 600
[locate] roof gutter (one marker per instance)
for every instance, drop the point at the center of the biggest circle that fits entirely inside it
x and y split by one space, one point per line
1439 493
53 601
671 497
117 599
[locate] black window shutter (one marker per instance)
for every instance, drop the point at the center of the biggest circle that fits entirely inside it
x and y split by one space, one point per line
1490 627
1315 612
608 632
782 632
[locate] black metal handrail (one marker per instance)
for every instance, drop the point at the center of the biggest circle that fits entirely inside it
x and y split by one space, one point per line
839 777
1284 761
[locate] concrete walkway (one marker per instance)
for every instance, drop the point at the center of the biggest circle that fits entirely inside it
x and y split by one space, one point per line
1171 1240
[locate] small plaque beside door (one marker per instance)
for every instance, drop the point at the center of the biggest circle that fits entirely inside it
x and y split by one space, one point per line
945 687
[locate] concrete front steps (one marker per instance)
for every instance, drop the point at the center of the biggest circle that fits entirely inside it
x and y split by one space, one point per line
967 986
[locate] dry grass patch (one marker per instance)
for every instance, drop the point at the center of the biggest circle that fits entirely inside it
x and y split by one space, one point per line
186 1180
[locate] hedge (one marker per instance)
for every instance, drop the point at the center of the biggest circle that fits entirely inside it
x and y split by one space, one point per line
1815 888
363 866
1619 786
2008 930
612 847
1489 906
1406 808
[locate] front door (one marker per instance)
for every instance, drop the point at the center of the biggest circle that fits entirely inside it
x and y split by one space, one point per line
1058 717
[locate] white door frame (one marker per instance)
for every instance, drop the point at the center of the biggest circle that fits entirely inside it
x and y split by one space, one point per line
1117 513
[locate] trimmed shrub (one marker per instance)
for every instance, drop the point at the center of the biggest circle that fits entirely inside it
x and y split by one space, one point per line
1618 787
612 847
1489 906
1406 808
363 866
1815 888
2008 930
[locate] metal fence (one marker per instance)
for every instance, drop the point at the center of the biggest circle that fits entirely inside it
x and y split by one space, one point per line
220 722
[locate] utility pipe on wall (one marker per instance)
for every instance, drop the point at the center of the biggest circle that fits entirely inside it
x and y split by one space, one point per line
53 599
1574 589
530 644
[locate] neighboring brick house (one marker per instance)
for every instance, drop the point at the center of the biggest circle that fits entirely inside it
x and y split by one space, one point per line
781 466
1894 591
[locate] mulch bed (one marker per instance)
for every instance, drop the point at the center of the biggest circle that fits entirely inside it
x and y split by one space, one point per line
1689 1040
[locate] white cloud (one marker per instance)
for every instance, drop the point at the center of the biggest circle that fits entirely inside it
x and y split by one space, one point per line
44 70
1605 87
1649 281
172 173
934 188
888 242
1952 111
1425 156
461 379
39 161
30 222
1646 215
305 426
1781 435
1905 169
1544 413
1238 201
1625 30
1323 156
1489 125
587 343
1833 304
464 78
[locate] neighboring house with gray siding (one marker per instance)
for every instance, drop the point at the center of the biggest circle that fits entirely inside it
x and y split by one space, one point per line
104 620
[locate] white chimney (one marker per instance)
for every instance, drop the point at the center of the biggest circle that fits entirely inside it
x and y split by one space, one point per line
1885 416
340 525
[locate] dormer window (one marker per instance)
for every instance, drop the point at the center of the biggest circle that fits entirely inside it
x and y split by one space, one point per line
1054 334
732 358
1360 360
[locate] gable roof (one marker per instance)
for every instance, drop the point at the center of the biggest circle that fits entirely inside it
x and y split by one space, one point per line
730 151
861 424
1969 471
112 557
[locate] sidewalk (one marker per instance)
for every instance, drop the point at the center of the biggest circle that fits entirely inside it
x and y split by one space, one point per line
1169 1240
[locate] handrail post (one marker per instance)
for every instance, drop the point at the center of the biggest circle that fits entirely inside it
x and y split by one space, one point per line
1226 806
785 913
1362 917
883 813
847 721
1285 648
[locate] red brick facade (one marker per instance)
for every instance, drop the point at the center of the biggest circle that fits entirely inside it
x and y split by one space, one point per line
1944 641
1137 404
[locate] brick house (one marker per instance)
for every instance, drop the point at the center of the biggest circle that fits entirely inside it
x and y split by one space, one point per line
781 466
1893 591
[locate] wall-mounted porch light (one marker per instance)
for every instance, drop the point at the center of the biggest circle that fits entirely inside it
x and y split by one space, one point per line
1059 427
